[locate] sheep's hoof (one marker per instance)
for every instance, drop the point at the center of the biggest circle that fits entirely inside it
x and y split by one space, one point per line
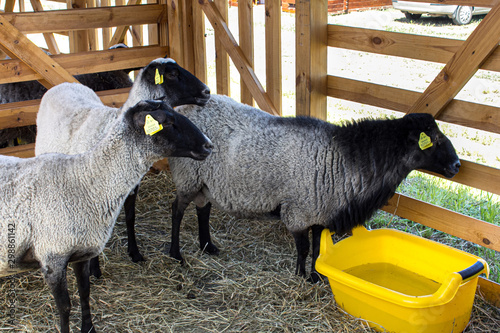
211 249
95 271
136 257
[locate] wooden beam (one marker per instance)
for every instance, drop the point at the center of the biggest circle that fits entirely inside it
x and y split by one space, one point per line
236 54
52 73
490 291
221 56
456 224
245 32
398 44
9 6
311 24
89 18
462 66
176 31
273 51
23 151
483 117
199 45
15 70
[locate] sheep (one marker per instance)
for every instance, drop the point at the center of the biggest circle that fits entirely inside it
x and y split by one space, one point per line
58 208
69 131
29 90
309 173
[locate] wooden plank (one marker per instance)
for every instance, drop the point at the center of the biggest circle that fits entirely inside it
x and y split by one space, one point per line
89 18
479 176
462 66
489 290
459 225
221 56
152 30
23 151
475 3
468 114
426 48
106 33
245 31
24 113
188 43
311 24
79 39
32 55
273 51
176 31
199 45
9 6
239 59
14 70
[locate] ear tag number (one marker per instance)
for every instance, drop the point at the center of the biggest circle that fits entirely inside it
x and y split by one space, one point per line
425 141
158 77
152 126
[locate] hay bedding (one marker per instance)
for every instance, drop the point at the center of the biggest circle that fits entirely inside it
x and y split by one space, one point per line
249 287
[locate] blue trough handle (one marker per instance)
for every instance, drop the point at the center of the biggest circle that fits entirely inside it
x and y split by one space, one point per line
472 270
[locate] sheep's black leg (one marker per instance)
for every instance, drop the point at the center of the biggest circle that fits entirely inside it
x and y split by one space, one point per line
178 208
316 239
95 268
129 208
204 229
302 244
54 273
82 274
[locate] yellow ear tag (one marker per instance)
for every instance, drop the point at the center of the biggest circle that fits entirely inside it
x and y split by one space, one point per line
152 126
158 77
425 141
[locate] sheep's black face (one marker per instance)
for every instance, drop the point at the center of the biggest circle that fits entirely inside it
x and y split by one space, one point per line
168 132
174 85
433 150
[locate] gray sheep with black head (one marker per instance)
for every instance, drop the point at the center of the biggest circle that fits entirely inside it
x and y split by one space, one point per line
309 173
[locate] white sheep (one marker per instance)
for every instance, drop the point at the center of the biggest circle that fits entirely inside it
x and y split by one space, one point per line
68 130
307 172
57 208
29 90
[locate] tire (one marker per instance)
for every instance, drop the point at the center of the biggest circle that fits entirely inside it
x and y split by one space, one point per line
463 15
412 17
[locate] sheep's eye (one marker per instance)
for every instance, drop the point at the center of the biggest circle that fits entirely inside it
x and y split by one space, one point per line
172 74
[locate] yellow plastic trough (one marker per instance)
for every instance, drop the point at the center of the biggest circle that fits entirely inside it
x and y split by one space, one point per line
400 282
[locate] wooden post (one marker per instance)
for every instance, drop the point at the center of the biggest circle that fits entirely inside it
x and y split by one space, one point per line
311 24
175 31
199 45
273 51
245 24
152 30
221 56
78 40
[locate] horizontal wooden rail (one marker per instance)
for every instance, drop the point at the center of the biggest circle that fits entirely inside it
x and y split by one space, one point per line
15 70
24 151
24 113
456 224
483 117
490 291
88 18
426 48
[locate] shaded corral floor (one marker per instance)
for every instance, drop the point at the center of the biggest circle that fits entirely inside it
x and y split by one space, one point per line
249 287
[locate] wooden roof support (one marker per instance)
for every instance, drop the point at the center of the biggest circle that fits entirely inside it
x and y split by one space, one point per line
245 32
32 55
273 51
462 66
236 54
9 6
221 56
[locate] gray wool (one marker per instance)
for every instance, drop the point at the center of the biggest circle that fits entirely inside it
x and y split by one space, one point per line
75 129
67 205
256 165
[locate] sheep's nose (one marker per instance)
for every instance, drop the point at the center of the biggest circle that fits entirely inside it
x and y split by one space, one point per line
206 92
208 145
457 165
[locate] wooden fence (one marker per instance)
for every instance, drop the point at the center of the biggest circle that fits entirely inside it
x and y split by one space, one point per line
176 28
